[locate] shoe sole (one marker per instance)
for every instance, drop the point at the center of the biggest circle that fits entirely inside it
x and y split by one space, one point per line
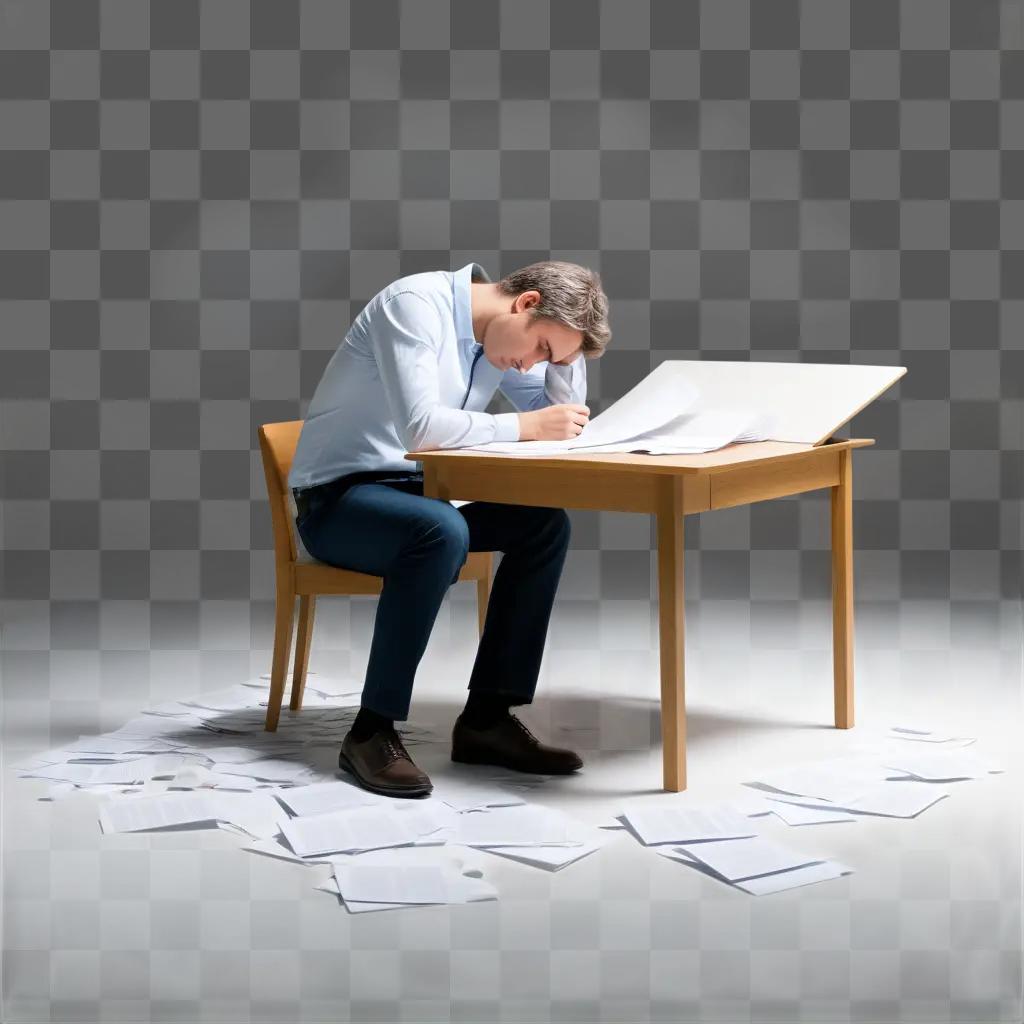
345 765
469 759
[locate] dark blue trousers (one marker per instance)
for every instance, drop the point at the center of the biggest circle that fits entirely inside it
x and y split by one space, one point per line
419 545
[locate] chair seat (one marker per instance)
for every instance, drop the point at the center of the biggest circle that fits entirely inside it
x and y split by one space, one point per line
321 578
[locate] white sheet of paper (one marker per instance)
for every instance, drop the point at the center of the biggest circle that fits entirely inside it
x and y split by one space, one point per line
269 768
835 779
464 878
141 813
694 433
332 687
407 883
258 814
235 755
750 804
155 726
659 398
60 790
469 890
464 795
736 859
522 825
807 875
121 772
889 799
656 400
255 813
939 765
353 906
359 828
112 745
42 759
230 698
323 797
903 732
794 814
657 825
197 776
271 847
765 884
553 857
170 709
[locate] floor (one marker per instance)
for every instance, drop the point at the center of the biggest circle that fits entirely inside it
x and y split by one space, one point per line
186 927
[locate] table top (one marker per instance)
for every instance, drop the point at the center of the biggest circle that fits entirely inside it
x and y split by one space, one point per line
732 456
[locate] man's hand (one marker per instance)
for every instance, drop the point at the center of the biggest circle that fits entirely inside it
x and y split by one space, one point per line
555 423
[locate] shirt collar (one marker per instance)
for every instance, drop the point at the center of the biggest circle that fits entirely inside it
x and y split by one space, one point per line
461 279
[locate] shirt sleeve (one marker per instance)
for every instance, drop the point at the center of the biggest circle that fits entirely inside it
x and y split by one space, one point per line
546 384
406 338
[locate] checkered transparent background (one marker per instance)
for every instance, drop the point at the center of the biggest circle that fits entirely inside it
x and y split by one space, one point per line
196 198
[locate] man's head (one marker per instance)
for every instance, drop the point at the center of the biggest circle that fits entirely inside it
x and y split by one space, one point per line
552 310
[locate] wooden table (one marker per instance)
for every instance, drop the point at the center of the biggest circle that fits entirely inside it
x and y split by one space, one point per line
669 487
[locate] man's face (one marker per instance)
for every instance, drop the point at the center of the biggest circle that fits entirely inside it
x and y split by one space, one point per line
514 340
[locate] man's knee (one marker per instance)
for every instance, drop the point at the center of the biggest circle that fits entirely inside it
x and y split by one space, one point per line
563 521
447 536
558 521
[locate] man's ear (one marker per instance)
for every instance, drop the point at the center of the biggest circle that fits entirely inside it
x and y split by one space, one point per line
524 300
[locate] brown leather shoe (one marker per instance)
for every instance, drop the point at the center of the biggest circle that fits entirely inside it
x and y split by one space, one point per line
383 765
510 744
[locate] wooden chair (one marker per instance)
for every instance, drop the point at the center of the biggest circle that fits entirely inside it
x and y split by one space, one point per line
297 574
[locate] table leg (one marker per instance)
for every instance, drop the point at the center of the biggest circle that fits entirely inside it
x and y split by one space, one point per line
671 609
842 593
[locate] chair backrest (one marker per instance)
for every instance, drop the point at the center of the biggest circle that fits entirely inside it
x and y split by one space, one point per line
278 442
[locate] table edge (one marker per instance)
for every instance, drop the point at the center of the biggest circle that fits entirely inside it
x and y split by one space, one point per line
655 465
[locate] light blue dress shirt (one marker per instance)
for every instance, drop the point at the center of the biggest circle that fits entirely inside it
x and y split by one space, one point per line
410 376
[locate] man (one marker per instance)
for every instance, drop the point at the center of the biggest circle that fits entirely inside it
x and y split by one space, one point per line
414 372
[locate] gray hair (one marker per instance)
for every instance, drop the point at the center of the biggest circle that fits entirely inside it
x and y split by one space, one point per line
569 294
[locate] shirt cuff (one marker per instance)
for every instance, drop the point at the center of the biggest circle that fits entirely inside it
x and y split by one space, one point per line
506 426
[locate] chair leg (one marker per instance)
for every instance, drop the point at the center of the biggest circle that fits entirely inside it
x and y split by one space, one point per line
483 594
284 618
303 641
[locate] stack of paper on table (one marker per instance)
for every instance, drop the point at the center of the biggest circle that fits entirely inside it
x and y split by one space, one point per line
686 407
656 416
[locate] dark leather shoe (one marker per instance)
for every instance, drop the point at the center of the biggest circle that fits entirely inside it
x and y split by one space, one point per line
510 744
383 765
